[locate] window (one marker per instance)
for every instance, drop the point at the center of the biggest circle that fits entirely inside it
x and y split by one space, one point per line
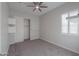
70 26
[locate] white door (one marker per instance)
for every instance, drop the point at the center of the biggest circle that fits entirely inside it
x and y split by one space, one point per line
26 29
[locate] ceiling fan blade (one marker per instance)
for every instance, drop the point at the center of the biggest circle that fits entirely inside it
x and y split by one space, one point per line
43 6
34 9
40 3
35 3
39 9
30 6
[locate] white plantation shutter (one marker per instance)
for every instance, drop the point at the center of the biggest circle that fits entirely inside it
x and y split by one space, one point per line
70 26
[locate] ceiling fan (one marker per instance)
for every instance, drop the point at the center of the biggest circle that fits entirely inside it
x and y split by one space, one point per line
37 6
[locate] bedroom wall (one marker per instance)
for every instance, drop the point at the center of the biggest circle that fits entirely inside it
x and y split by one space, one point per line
34 25
50 28
0 27
4 42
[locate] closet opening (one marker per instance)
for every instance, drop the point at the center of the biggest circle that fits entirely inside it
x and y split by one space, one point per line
26 29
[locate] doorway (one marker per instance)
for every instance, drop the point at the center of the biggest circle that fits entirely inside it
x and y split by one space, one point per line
26 29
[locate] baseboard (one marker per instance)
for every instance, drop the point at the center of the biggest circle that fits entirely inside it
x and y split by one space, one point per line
61 46
35 39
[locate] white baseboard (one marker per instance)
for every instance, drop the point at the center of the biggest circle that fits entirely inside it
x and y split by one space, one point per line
61 46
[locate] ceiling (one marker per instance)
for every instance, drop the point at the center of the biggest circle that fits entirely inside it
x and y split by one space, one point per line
22 7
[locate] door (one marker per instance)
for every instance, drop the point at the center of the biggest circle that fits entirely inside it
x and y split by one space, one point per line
26 29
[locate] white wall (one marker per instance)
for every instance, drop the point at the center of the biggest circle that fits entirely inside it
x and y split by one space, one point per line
19 29
50 28
0 26
4 28
34 25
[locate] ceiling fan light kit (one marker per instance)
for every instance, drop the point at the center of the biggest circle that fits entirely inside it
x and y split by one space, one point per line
37 7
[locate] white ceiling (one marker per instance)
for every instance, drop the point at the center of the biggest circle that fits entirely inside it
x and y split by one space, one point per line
22 7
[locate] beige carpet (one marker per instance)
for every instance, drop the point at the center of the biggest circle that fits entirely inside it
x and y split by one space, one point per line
38 48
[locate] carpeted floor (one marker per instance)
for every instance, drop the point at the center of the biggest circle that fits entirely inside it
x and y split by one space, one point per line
38 48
